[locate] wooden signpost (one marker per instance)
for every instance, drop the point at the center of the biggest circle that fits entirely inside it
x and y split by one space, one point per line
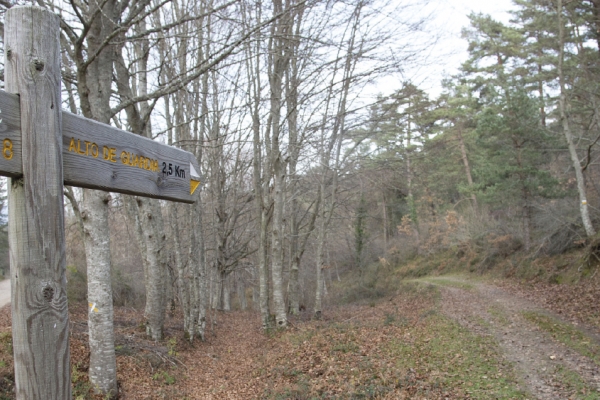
99 156
44 148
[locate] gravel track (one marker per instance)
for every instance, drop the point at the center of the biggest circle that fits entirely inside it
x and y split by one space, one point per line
489 310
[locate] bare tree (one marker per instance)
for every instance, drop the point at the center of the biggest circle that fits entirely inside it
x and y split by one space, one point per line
110 44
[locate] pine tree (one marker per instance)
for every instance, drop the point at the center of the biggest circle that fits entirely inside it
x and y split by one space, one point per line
512 169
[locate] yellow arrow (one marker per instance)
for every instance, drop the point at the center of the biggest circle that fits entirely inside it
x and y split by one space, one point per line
194 179
194 185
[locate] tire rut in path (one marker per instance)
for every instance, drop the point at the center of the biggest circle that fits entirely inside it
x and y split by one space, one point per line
489 310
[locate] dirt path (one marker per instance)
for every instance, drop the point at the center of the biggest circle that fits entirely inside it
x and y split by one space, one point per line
537 357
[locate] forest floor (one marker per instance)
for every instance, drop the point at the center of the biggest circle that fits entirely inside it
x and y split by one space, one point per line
445 337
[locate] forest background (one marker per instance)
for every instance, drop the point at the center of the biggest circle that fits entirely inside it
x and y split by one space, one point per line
309 176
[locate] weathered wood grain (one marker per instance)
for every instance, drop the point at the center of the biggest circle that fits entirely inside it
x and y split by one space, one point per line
11 163
40 321
97 156
123 171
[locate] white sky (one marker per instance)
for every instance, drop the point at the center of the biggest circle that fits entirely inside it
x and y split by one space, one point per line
451 16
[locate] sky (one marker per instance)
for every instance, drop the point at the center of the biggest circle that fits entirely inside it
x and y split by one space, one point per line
451 16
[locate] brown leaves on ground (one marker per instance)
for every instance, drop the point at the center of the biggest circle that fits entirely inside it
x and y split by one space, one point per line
335 359
238 361
220 368
346 354
574 302
7 376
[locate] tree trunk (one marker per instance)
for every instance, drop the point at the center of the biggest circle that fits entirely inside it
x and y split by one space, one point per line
94 88
277 246
226 292
199 272
562 103
296 248
152 228
527 226
294 287
180 267
103 367
258 174
465 160
385 223
321 237
255 290
149 211
241 290
277 66
333 146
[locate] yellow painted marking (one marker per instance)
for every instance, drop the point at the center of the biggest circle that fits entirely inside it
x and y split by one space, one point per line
194 185
7 149
93 307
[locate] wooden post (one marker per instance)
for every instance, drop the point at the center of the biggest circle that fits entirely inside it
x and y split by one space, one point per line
40 322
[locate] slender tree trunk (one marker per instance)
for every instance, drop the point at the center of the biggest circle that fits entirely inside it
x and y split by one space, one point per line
409 174
94 87
151 219
328 188
321 238
199 265
258 171
277 245
294 287
180 266
226 292
465 159
525 198
295 143
198 260
540 71
255 291
385 223
241 289
298 247
215 288
409 183
527 226
562 103
149 211
103 367
278 62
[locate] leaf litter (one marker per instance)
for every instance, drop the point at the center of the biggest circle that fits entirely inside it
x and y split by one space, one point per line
425 342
